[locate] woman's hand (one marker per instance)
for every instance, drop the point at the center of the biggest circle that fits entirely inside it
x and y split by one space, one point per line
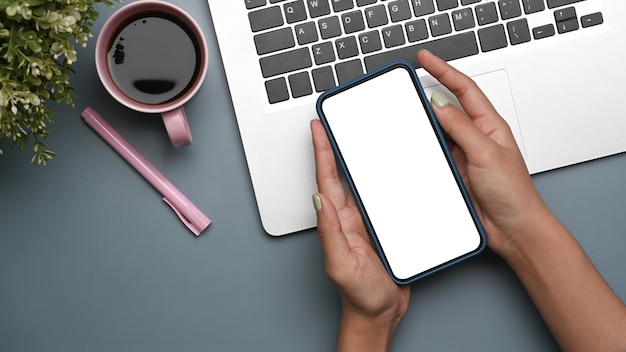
582 311
487 156
373 304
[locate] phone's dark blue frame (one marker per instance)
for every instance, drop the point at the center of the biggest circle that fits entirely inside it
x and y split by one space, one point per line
444 146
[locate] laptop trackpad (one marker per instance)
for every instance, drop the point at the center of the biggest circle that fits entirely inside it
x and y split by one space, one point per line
496 86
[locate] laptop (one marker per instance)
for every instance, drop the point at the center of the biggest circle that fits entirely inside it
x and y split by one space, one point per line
553 68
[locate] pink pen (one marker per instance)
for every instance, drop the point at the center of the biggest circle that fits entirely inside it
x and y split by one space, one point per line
190 215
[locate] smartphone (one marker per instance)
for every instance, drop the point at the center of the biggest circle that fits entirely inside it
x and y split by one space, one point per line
397 164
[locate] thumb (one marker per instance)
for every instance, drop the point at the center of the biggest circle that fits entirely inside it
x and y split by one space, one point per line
457 124
334 242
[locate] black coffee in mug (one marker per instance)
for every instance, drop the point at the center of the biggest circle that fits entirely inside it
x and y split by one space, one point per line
154 58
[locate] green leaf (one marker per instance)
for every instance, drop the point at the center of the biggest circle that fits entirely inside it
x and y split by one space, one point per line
36 53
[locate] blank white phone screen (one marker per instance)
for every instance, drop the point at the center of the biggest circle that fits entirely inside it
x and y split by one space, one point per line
401 174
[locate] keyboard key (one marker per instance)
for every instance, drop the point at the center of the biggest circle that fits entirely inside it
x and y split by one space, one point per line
346 47
342 5
543 31
439 25
444 5
300 84
318 8
376 16
518 31
393 36
448 48
289 61
306 33
365 2
329 27
352 22
349 70
463 19
274 41
295 11
556 3
492 38
567 13
251 4
567 26
323 53
277 90
416 30
591 20
266 18
509 9
399 10
486 13
469 2
370 42
532 6
423 7
323 78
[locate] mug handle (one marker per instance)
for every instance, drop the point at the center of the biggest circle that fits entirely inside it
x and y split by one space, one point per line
177 127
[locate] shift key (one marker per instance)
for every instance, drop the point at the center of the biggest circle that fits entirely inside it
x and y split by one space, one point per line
285 62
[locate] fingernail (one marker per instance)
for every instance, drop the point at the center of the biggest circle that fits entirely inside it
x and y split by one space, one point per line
317 202
439 99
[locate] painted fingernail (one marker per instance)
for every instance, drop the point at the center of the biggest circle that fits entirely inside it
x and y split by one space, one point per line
317 202
439 99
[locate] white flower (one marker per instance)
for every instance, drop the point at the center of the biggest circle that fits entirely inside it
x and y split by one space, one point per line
23 9
68 22
70 55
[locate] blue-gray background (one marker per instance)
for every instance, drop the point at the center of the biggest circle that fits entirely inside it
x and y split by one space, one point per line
91 259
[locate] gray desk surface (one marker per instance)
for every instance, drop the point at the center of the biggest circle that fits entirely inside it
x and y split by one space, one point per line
91 259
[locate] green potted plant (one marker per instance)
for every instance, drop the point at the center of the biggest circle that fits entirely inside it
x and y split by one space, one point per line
37 40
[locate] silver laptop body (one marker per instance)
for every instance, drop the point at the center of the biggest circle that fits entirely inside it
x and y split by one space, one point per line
553 68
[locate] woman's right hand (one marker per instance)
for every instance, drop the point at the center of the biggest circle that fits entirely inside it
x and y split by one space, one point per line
487 156
580 308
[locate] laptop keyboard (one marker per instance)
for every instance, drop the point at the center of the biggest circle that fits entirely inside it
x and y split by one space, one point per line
308 46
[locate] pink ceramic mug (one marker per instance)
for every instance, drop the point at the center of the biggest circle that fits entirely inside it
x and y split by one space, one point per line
152 57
